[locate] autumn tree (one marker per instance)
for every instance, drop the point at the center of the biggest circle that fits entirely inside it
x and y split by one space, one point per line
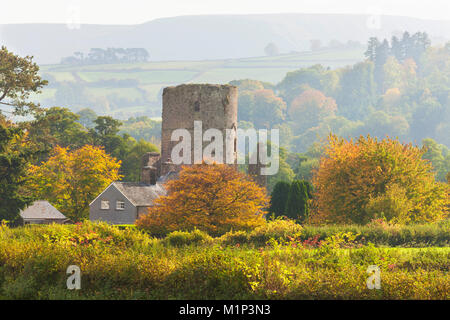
19 77
70 180
365 179
210 197
310 108
268 109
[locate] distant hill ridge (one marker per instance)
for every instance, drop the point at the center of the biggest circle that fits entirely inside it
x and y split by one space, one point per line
209 36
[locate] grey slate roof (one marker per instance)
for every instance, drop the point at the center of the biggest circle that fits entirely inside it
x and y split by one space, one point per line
140 195
168 176
41 210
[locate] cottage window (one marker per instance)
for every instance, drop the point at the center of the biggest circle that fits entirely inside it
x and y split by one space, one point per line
104 205
120 205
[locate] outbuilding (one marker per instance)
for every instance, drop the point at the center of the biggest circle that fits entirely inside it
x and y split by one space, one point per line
42 212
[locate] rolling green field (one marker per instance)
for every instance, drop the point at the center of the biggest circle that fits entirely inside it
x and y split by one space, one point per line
140 89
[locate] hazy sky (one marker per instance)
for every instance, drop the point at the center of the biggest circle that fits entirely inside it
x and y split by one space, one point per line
138 11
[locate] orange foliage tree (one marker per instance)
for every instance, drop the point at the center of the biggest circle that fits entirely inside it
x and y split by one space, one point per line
210 197
70 180
365 179
310 108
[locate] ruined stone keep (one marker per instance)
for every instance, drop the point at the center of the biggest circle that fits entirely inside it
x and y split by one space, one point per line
214 105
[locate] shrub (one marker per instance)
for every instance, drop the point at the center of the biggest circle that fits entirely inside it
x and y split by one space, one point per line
234 238
276 229
181 238
132 265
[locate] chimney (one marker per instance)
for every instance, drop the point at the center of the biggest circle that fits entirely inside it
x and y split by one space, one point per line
148 175
169 166
150 158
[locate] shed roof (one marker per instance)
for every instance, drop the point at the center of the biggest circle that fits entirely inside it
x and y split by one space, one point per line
41 210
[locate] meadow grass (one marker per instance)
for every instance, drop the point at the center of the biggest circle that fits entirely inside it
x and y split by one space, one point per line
126 263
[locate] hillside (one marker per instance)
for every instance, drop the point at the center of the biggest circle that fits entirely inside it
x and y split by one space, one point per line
209 36
136 88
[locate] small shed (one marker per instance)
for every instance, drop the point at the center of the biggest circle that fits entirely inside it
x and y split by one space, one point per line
42 212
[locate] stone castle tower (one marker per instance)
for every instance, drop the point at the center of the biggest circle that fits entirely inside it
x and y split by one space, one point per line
214 105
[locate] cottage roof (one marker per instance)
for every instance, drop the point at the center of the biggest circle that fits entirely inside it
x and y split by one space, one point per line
41 210
168 176
140 195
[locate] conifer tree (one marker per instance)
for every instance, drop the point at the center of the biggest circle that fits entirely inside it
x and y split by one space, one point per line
279 198
297 203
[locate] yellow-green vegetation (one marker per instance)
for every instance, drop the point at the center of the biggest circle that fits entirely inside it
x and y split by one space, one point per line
274 261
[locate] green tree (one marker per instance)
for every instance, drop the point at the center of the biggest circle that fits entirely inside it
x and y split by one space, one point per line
87 117
297 206
285 172
371 52
295 82
131 164
268 109
357 91
105 134
56 126
271 49
439 155
246 105
14 159
19 77
279 197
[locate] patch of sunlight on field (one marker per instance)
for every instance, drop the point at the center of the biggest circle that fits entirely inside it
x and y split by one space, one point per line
130 93
60 76
46 93
144 77
152 91
225 75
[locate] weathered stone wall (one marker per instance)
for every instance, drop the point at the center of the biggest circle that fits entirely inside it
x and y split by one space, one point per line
214 105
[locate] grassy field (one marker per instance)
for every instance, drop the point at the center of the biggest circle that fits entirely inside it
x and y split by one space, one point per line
278 261
151 77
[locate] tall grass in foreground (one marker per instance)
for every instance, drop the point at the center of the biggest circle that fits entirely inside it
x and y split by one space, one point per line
279 261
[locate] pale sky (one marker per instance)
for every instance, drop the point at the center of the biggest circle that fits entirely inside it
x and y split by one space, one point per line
139 11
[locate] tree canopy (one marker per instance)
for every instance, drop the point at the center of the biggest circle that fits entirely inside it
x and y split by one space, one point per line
19 77
70 180
210 197
366 179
